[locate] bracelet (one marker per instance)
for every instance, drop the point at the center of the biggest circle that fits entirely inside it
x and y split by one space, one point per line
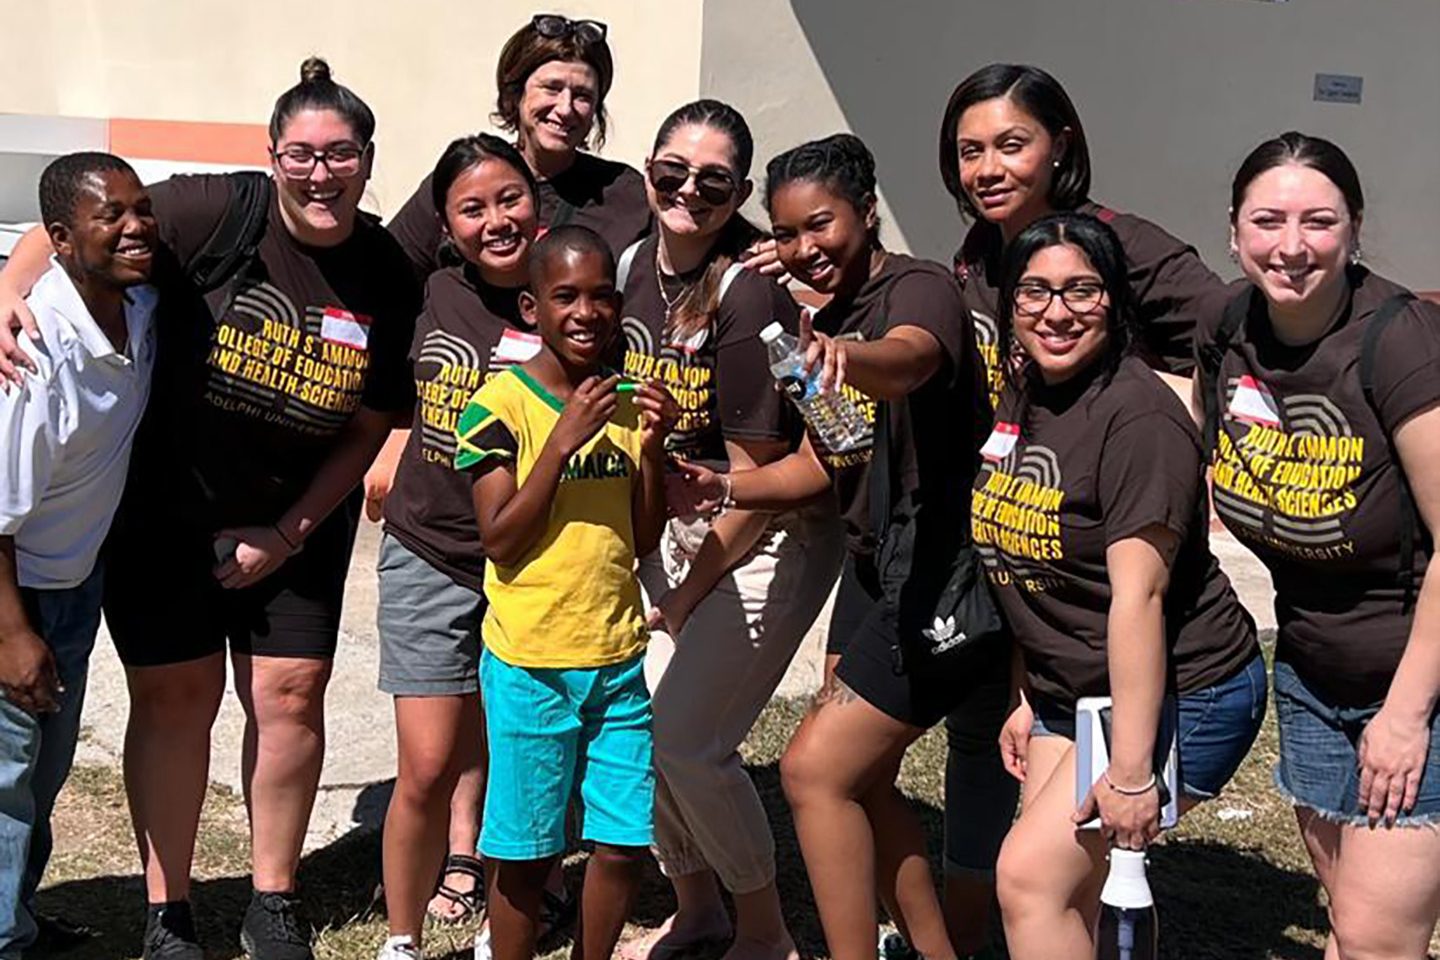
1130 791
284 539
727 502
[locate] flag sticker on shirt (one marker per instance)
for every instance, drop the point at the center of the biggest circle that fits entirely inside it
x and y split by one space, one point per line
1254 403
344 327
1001 443
516 346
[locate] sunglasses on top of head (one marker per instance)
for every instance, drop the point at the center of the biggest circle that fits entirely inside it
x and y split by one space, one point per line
553 26
714 186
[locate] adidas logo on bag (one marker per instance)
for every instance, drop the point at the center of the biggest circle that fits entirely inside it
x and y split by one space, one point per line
944 635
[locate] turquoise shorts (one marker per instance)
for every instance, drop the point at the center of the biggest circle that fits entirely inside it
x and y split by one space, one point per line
554 734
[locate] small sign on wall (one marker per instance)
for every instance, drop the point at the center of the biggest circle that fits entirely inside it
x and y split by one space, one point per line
1338 88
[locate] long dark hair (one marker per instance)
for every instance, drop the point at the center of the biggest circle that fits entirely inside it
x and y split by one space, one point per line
698 304
1102 248
1038 94
1317 153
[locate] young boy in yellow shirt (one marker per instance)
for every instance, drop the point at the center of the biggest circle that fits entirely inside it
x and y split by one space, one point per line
568 464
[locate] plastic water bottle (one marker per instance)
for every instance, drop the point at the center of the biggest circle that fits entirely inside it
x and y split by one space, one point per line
1128 928
834 418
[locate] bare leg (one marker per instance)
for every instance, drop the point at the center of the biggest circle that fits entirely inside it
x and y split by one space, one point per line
167 765
284 701
612 876
431 733
513 905
699 918
834 775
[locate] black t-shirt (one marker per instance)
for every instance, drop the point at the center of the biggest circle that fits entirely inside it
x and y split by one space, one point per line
468 331
935 431
1304 478
1072 470
247 405
606 196
720 376
1173 289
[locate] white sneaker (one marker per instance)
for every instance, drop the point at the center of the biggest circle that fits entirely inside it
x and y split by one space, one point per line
482 943
399 948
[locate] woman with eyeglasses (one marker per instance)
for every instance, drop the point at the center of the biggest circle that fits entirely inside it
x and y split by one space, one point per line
276 382
735 593
1090 516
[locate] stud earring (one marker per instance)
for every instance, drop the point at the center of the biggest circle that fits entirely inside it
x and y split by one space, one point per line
1356 255
1234 255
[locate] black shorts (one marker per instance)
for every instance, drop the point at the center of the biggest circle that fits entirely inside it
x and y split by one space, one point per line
864 631
163 604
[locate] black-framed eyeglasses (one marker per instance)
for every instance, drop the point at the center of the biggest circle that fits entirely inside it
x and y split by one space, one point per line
1033 299
715 186
553 26
297 161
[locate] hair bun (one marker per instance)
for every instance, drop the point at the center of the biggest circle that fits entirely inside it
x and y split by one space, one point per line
315 70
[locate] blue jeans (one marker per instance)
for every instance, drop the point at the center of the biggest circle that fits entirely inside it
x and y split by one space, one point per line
36 753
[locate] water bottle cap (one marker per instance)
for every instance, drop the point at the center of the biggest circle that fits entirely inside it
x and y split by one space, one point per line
1126 885
771 332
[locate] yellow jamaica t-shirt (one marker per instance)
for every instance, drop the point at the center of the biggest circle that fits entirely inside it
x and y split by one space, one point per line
572 600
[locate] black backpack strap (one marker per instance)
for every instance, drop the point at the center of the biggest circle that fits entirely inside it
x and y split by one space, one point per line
1410 523
1211 359
236 241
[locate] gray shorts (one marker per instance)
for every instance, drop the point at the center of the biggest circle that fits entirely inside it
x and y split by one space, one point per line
429 627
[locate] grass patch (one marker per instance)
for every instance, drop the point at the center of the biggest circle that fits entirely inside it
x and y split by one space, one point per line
1232 881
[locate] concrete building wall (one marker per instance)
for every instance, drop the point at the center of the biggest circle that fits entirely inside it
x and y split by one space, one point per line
426 67
1173 93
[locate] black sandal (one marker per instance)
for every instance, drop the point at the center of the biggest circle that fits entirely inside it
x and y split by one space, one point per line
468 900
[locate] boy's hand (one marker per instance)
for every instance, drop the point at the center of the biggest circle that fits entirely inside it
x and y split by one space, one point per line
586 413
658 415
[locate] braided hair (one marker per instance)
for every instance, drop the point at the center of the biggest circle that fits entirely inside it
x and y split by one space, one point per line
840 162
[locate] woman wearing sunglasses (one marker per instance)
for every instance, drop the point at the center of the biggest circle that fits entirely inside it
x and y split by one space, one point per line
736 592
272 393
1089 514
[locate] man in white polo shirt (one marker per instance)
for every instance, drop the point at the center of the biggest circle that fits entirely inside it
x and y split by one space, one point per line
65 438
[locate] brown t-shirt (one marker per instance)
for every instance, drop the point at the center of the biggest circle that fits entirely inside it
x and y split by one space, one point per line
248 403
1071 470
934 432
1304 478
468 331
1173 289
606 196
720 376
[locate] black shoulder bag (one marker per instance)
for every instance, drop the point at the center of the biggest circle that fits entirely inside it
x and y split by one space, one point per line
941 613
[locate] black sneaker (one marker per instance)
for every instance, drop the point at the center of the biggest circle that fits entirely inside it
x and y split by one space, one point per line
270 930
170 932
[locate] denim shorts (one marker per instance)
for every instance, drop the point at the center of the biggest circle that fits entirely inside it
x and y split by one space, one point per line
554 733
1319 765
429 627
1217 726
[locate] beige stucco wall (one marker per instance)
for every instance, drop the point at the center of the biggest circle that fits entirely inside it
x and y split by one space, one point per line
427 67
1173 94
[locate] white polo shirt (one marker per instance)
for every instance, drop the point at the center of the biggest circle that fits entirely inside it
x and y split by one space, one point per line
65 434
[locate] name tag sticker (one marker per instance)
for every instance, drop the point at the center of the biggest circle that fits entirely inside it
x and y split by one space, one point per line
1254 403
344 327
1001 443
516 346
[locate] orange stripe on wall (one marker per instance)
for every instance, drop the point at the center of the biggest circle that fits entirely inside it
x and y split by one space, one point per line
229 143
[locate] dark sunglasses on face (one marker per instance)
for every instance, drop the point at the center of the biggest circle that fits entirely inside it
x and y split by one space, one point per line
552 26
297 161
714 186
